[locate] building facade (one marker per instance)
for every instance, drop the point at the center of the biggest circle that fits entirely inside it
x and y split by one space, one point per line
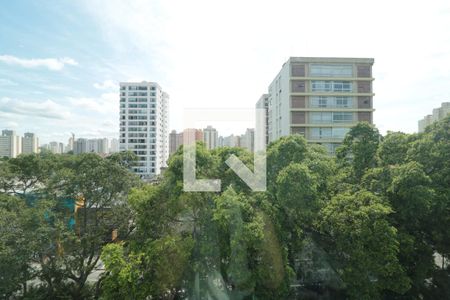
114 146
175 141
211 138
144 124
10 144
263 103
232 141
247 140
438 114
320 98
30 143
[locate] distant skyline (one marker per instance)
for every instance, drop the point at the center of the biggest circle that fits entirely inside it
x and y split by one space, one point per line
61 61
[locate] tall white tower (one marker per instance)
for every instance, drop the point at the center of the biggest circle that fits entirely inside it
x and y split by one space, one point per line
144 122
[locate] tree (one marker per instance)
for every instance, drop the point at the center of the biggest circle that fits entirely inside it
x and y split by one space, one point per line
364 245
75 203
359 149
393 149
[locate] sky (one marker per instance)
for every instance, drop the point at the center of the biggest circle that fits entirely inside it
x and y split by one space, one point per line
61 61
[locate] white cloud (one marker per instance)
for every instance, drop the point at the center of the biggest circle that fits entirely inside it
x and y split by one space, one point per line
7 82
47 109
53 64
107 85
241 45
107 103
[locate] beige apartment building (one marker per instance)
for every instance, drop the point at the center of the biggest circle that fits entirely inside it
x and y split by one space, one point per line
438 114
320 98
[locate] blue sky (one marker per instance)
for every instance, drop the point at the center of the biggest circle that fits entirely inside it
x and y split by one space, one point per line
60 61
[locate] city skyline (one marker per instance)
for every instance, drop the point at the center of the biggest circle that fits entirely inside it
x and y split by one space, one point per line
65 78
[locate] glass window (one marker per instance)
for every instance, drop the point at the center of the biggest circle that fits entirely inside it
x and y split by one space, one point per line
331 86
321 117
331 101
321 132
331 117
319 70
342 117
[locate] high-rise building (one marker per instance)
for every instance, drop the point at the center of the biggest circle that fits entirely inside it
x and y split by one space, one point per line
232 141
144 121
10 144
114 146
247 140
175 141
192 135
100 146
54 147
210 137
263 103
438 114
70 143
80 146
221 141
320 98
30 143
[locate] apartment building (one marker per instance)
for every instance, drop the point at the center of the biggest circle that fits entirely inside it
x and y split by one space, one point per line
30 143
144 121
10 144
438 114
247 140
114 146
211 137
175 141
100 146
320 98
263 103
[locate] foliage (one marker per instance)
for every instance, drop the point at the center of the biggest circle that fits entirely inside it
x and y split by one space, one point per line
370 223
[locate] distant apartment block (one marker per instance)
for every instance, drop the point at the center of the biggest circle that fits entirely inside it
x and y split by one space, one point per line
10 144
175 141
114 146
211 138
144 121
80 146
100 146
263 103
231 141
30 143
188 136
320 98
192 135
247 140
438 114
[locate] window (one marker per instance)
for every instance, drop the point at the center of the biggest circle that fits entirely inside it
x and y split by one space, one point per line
321 86
342 86
344 101
331 101
342 117
331 117
321 133
321 117
319 70
328 132
331 86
